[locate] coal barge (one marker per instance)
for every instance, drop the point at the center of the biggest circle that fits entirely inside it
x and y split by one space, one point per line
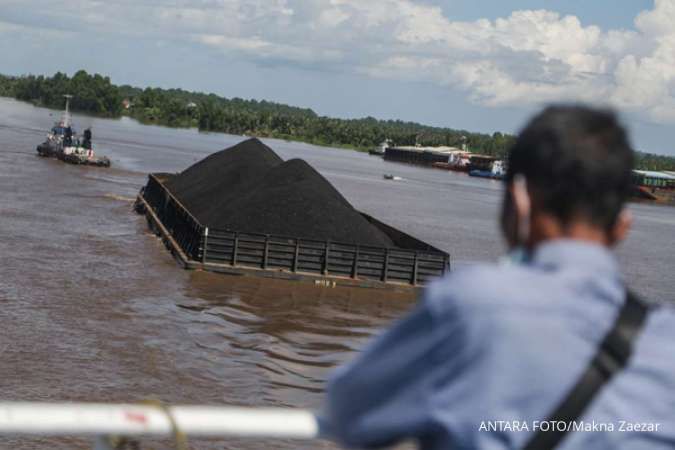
244 210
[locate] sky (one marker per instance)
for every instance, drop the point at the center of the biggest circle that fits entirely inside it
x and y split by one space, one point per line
479 65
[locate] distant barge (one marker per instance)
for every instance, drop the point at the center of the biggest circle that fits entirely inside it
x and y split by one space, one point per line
655 186
420 155
412 264
448 158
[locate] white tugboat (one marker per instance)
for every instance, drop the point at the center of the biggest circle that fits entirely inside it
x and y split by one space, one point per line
63 143
381 150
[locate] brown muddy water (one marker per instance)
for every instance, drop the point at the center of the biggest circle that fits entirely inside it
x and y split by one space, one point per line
93 308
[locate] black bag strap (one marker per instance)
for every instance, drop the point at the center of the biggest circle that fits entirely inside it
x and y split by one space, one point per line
612 356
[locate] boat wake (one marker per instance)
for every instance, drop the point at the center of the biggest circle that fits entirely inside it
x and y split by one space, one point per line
120 198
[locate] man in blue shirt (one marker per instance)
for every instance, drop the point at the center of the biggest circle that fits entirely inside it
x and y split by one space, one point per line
492 351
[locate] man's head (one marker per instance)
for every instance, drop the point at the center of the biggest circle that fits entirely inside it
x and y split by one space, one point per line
569 175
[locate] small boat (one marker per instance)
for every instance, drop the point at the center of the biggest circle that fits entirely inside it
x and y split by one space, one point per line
389 176
497 171
486 174
63 143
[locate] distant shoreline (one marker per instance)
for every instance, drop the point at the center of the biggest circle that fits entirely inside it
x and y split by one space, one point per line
96 95
188 127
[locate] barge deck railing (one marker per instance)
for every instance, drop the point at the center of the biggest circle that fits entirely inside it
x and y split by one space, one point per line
103 421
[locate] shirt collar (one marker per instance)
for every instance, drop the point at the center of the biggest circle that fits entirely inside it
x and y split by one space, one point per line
573 252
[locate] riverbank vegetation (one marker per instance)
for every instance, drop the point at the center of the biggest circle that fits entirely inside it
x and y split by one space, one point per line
209 112
91 93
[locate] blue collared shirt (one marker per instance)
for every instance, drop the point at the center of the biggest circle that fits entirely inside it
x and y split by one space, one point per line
491 349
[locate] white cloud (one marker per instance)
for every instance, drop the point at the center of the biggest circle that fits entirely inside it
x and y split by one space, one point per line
529 57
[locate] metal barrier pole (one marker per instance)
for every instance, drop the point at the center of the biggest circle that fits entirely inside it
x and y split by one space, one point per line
385 268
235 248
266 251
206 242
355 267
326 255
415 268
296 255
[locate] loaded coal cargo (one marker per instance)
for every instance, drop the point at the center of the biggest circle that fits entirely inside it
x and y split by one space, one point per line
249 187
244 208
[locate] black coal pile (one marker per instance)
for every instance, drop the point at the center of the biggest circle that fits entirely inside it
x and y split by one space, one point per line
249 188
223 176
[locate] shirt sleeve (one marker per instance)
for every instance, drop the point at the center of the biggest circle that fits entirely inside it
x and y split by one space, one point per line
383 396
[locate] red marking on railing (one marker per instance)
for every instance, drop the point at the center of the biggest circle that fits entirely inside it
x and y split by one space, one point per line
136 417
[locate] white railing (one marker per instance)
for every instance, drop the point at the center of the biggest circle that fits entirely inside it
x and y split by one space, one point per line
136 420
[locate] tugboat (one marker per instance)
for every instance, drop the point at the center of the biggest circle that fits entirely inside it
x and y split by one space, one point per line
381 150
497 171
62 143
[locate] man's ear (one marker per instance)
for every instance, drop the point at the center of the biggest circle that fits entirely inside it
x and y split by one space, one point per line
507 216
620 230
520 196
522 206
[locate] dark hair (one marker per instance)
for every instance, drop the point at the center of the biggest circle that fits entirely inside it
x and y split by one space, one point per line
577 160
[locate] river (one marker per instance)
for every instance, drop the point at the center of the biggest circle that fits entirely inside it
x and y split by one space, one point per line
93 307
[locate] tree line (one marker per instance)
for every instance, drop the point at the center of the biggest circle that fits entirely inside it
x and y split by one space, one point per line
209 112
91 93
